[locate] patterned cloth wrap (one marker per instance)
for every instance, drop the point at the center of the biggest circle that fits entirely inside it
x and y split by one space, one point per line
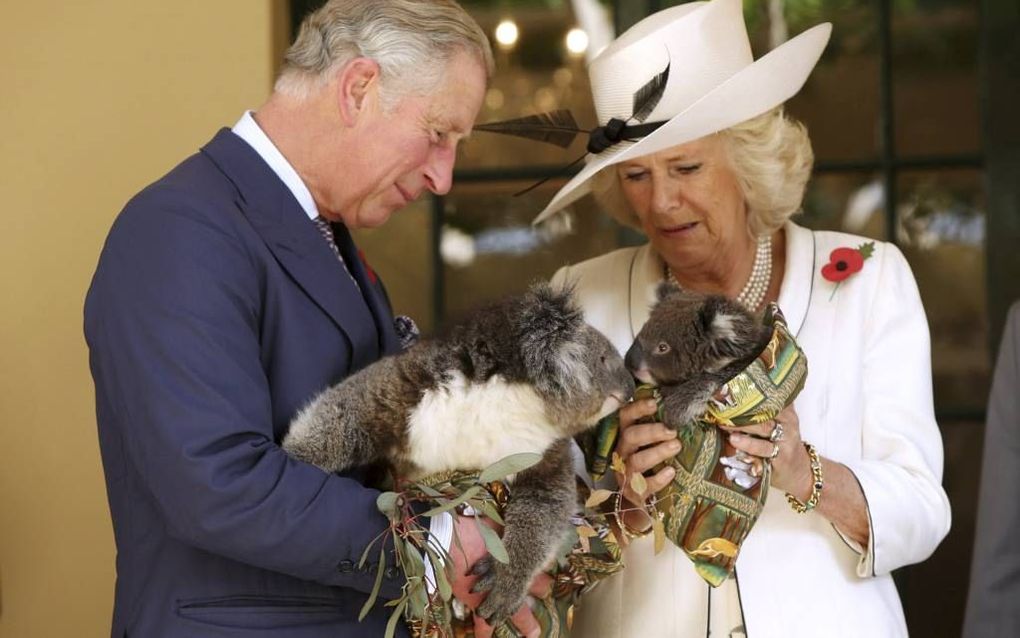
705 513
588 556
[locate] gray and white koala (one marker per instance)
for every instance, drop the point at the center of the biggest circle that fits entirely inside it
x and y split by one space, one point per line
522 375
690 346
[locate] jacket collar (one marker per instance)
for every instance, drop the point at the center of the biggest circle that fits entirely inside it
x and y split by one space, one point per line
646 271
278 218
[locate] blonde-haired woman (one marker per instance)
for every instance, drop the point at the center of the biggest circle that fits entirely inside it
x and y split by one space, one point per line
711 174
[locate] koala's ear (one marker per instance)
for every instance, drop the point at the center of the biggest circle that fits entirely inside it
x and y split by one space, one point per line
731 329
665 290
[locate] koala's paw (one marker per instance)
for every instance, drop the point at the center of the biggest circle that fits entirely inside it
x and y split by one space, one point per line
507 591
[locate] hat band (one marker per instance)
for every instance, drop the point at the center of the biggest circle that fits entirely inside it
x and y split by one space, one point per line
616 131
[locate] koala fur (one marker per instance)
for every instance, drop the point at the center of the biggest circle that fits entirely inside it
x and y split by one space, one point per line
691 345
521 375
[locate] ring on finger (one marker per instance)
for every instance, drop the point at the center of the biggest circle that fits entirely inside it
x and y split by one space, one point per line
777 433
775 452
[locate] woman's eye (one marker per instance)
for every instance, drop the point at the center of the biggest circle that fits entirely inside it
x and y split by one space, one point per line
687 169
634 177
662 348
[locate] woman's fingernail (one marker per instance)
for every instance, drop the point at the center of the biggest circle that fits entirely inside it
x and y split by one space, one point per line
736 438
670 472
674 445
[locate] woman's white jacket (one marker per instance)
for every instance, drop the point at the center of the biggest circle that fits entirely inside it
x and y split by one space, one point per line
867 404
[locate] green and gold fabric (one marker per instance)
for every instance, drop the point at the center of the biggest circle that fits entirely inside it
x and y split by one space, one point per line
705 513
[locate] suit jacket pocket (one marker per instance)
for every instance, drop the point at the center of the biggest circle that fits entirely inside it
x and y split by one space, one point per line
263 612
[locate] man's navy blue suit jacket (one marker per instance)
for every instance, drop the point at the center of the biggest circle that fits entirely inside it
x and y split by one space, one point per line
216 312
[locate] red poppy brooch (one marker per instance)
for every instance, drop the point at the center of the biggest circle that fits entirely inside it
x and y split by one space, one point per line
844 262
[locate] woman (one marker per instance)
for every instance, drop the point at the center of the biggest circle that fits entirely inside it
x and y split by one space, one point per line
711 172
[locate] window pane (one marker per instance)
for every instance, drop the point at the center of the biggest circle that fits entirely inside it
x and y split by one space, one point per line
935 78
401 253
942 233
847 202
490 248
535 73
840 101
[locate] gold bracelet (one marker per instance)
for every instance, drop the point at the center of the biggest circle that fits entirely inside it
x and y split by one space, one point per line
816 486
627 530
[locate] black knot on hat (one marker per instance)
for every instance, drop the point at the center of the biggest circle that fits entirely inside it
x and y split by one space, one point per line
603 137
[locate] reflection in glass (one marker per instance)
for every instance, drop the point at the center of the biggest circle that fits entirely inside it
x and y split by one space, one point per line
941 231
846 202
935 93
840 101
490 249
401 253
544 69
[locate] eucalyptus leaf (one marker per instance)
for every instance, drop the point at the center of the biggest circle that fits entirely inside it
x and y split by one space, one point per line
429 491
598 497
660 534
418 599
638 483
510 465
376 586
387 504
415 565
439 569
617 463
449 505
364 554
493 543
391 626
489 509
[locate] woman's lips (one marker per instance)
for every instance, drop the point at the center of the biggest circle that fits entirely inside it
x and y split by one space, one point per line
681 229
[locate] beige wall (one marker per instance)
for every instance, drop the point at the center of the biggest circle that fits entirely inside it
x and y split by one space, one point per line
97 98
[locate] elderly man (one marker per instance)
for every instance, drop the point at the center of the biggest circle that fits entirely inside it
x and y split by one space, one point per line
229 293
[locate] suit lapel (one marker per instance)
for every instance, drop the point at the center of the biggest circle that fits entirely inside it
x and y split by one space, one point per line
295 242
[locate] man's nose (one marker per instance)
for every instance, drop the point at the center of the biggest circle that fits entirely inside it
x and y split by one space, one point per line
439 170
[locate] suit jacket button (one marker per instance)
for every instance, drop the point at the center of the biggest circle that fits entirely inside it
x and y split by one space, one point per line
345 566
392 572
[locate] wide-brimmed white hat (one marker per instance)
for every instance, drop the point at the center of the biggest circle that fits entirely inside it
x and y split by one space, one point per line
712 82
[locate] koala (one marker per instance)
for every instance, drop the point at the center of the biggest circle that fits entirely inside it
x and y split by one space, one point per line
522 375
691 345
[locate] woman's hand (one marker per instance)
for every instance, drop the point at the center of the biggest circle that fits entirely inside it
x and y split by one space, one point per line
642 446
791 466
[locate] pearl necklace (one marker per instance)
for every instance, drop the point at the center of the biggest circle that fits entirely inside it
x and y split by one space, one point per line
757 284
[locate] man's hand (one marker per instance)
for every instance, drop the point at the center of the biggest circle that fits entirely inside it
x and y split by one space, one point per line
466 549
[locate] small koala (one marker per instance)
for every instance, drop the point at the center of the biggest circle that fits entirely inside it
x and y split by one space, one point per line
522 375
691 345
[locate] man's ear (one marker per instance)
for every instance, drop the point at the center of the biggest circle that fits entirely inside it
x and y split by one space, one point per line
357 82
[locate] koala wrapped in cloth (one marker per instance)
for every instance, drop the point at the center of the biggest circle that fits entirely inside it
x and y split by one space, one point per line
521 375
710 363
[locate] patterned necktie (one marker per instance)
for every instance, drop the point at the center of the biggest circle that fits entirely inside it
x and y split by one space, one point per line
405 327
327 233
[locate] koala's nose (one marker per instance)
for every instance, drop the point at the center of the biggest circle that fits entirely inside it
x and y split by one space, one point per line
633 359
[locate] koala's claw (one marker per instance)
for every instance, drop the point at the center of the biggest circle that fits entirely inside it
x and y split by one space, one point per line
485 569
507 592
